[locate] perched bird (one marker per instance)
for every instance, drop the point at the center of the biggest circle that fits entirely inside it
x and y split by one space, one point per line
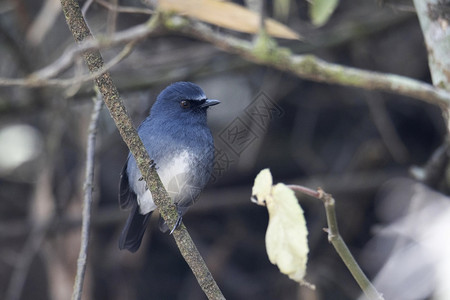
180 143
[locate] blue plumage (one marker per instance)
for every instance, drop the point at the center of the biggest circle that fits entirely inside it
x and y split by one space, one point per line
177 138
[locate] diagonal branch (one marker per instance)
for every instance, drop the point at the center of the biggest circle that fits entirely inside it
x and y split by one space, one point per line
111 97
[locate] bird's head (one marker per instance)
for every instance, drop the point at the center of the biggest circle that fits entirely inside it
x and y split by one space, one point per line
183 100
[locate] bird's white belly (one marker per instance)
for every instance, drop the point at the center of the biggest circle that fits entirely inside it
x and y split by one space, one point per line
173 174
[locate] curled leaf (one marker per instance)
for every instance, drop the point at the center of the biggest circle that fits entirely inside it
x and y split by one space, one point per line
286 236
262 187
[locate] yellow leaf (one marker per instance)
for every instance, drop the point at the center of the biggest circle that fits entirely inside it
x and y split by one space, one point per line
286 241
286 236
262 187
227 15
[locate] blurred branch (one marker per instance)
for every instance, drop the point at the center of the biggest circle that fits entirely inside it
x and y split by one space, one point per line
387 130
266 53
41 77
86 6
335 238
87 203
313 68
43 22
262 16
111 97
433 173
434 17
111 18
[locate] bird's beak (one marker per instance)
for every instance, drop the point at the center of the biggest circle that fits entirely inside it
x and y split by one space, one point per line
210 102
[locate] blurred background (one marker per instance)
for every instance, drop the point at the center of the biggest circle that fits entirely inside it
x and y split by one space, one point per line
358 145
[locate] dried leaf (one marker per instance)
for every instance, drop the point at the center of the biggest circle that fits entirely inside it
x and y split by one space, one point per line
227 15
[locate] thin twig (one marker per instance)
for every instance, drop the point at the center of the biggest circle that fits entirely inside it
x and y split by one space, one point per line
111 97
387 130
39 79
87 202
304 190
42 77
262 17
86 6
334 237
111 20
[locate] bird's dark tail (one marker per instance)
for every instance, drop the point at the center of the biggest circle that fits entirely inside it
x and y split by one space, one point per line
134 229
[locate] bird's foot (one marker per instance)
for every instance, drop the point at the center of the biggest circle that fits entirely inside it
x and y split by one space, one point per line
153 164
177 223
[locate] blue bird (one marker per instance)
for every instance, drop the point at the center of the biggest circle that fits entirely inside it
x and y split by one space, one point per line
180 143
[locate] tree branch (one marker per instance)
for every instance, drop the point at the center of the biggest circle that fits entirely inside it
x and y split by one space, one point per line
434 17
43 76
111 97
334 237
87 203
311 67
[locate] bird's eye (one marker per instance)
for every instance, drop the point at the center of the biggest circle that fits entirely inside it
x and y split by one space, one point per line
185 104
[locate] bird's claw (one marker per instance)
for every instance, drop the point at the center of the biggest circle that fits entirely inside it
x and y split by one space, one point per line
177 223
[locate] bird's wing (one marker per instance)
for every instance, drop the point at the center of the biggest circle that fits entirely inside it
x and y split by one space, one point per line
126 196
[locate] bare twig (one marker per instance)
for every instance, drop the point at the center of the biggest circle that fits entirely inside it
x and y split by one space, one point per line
112 18
335 238
111 97
43 22
433 173
87 202
387 130
42 77
86 6
304 190
262 16
36 80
